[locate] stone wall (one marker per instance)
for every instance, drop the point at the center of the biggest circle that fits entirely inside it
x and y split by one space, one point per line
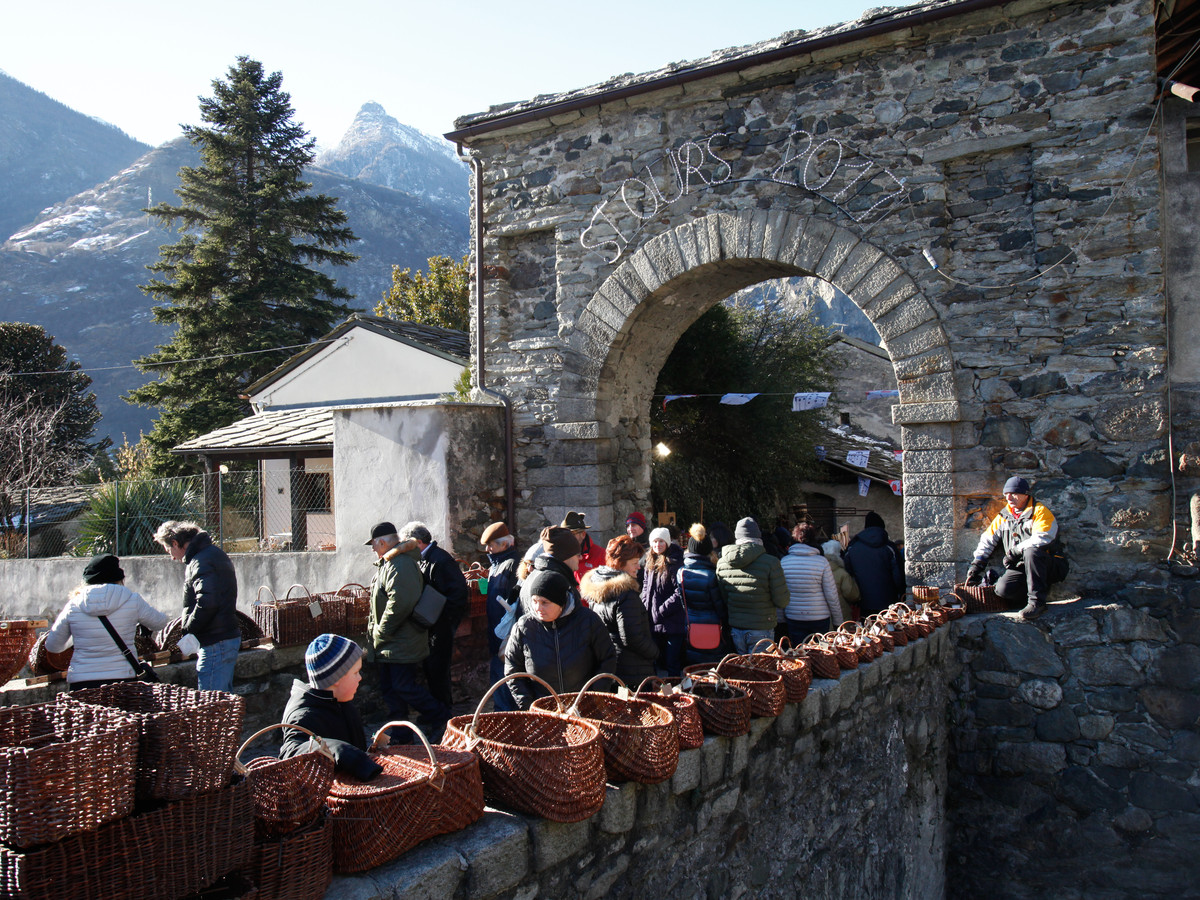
1074 749
843 795
1011 130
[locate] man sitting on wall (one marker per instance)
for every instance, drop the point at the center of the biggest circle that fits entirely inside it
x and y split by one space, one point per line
1024 529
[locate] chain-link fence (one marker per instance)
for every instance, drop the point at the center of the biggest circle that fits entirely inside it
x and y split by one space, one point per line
267 508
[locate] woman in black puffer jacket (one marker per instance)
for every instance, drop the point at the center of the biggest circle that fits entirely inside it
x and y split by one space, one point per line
611 591
562 642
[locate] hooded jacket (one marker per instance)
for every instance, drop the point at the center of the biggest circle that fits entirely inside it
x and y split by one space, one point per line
662 595
395 589
613 596
502 579
754 586
564 653
209 593
1035 526
339 724
875 566
703 594
847 588
96 657
810 584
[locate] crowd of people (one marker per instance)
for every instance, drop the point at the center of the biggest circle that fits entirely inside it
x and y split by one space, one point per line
647 602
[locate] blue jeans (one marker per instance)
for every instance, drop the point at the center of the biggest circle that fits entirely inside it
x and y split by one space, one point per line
744 638
502 700
215 663
670 654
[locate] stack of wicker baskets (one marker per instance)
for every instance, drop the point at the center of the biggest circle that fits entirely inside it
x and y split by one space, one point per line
122 791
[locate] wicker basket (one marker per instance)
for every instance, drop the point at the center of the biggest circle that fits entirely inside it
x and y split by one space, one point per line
880 631
291 621
821 658
640 738
687 715
767 694
168 640
546 764
792 669
979 598
64 769
17 638
852 634
924 593
171 851
724 708
188 738
354 604
43 662
288 793
420 794
295 866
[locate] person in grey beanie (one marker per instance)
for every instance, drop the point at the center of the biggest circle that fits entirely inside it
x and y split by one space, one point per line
754 585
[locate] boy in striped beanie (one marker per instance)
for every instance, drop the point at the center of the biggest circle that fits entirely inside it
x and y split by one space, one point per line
324 705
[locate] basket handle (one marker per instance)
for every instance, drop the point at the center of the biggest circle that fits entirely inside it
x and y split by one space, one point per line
258 599
599 676
349 584
437 777
472 735
772 647
322 747
474 568
288 595
662 685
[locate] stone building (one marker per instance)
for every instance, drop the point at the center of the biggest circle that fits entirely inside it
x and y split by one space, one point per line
980 177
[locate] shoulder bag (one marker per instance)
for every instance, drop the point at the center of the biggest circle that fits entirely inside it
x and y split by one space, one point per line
143 671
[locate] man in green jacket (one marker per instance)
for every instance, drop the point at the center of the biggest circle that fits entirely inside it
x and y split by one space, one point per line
398 645
755 589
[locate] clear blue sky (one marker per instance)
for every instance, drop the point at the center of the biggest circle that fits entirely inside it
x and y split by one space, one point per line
141 64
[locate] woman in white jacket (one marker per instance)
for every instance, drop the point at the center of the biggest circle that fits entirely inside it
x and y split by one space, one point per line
97 660
813 607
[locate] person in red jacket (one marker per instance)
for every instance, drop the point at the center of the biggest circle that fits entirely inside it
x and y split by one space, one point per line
591 554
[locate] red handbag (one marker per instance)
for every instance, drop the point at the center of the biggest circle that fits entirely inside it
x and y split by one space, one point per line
704 636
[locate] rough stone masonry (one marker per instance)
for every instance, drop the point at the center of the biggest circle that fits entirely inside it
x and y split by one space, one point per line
1005 144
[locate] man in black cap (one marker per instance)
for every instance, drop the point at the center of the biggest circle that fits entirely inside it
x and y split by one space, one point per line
1024 530
591 554
397 644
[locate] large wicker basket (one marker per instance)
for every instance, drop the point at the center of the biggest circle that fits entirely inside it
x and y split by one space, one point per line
640 738
64 769
171 851
291 621
724 709
288 793
297 865
43 662
17 638
188 738
793 669
821 657
980 598
767 694
168 640
687 714
547 764
421 793
354 603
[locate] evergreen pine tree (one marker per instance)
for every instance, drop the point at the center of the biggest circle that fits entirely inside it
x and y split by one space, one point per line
241 282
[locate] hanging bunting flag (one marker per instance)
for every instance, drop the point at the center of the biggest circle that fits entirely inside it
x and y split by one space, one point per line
667 399
864 485
897 487
811 400
898 455
882 395
737 399
858 458
820 451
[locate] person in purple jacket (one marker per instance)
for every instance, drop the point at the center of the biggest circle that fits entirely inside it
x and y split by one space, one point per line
663 599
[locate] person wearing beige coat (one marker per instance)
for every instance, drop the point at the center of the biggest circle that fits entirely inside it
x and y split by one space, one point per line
847 587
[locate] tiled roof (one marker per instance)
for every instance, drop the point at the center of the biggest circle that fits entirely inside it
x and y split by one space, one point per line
296 429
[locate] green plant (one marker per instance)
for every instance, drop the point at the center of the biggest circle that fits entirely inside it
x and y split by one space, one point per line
123 515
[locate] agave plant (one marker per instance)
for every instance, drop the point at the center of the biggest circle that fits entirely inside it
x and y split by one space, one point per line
123 515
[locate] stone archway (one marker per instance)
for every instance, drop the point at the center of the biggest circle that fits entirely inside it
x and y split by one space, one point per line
623 335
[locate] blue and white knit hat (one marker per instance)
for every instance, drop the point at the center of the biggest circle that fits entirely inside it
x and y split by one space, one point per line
328 658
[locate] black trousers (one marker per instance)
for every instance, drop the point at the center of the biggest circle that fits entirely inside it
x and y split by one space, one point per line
1030 578
441 651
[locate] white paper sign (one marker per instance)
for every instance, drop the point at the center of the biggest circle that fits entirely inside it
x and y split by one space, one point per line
864 485
858 458
811 400
737 399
